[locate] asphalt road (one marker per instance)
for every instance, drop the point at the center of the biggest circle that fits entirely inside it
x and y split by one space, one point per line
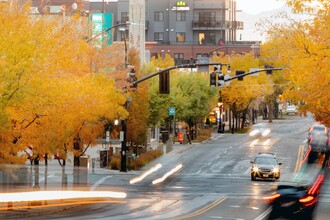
213 183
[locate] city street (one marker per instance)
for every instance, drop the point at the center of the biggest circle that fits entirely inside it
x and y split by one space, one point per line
214 181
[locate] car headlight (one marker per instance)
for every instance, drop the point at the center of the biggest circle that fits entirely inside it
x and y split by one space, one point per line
275 170
254 132
266 132
255 169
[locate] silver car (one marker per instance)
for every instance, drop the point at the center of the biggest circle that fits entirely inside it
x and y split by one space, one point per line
265 166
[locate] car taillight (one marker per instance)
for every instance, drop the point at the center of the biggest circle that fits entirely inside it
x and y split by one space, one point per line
317 185
308 200
272 198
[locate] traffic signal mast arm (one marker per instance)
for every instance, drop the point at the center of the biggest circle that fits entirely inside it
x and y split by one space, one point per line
252 72
193 65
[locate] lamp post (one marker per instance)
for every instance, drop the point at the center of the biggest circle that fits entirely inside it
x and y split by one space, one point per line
108 29
123 31
123 167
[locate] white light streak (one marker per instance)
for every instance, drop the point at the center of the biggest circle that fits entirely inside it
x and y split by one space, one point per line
145 174
55 195
178 167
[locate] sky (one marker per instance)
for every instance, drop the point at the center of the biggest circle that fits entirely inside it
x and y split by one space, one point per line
257 6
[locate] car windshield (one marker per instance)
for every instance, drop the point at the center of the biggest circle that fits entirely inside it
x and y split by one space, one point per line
265 160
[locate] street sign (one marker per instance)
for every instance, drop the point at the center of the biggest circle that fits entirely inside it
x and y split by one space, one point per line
226 80
121 136
171 111
221 80
253 70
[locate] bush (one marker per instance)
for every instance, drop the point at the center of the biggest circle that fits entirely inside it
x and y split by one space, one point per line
136 163
145 158
203 135
115 162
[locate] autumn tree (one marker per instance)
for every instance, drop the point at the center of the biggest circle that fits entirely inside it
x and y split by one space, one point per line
50 93
239 96
302 47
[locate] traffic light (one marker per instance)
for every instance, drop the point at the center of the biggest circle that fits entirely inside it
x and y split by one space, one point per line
164 82
213 79
240 72
268 72
217 68
221 79
131 77
228 69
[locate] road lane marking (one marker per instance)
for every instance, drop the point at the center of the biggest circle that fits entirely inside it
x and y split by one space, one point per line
299 158
204 209
95 185
264 214
43 179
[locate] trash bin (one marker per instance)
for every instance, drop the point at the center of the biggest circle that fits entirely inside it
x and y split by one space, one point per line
83 161
103 158
165 136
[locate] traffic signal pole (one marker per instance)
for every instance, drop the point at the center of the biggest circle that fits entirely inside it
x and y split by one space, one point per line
193 65
252 72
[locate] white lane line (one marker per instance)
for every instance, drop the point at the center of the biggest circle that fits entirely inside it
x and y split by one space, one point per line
99 182
48 177
264 214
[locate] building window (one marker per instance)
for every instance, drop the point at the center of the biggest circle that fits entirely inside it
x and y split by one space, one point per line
154 55
159 16
158 36
207 38
180 37
124 17
179 58
181 16
206 19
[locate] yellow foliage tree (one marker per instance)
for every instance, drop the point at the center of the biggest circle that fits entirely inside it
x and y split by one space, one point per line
239 95
50 94
302 47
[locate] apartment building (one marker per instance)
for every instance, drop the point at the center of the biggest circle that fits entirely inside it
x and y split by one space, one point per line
183 29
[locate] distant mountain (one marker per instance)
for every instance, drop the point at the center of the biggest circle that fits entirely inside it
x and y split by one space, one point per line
251 32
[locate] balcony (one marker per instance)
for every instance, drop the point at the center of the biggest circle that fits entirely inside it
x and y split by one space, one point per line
238 25
209 25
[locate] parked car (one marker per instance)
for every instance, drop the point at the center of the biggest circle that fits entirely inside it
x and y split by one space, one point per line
291 109
294 200
265 166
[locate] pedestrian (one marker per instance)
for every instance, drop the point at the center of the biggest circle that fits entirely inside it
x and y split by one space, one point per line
188 136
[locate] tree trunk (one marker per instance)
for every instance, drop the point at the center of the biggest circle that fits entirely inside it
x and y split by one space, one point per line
270 114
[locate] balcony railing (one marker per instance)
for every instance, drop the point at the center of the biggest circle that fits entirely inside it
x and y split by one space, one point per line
214 25
217 25
206 43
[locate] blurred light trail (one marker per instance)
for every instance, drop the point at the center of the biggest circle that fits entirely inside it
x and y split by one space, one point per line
55 195
20 205
145 174
178 167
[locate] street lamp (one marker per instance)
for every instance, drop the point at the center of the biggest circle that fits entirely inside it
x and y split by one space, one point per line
123 167
106 30
123 31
